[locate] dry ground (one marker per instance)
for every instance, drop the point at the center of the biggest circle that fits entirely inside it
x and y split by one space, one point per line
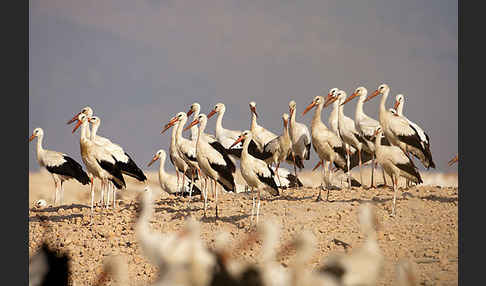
425 229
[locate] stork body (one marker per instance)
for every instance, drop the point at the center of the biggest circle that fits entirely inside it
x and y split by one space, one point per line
123 160
261 135
213 159
396 164
257 174
59 165
300 137
398 130
98 161
168 182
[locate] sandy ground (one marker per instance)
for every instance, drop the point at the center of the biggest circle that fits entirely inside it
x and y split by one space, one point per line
425 229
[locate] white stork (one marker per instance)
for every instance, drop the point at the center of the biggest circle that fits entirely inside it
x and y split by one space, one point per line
424 138
123 161
280 147
395 163
186 148
350 135
327 144
60 165
213 159
177 161
168 182
366 125
256 172
398 130
99 162
300 137
261 136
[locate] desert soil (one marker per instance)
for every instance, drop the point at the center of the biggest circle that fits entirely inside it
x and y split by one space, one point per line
424 230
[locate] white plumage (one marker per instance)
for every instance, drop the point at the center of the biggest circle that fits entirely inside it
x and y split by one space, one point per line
261 136
300 137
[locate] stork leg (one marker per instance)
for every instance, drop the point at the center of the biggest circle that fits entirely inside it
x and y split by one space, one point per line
253 205
295 166
360 172
92 195
102 193
178 179
216 197
107 186
278 177
192 184
384 176
183 182
347 163
62 193
372 171
114 195
395 183
258 208
56 191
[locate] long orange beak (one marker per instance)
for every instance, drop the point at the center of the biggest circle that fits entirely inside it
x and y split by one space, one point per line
73 119
285 123
190 112
453 160
291 111
213 112
330 99
31 137
77 126
317 166
349 98
196 121
155 158
313 103
169 125
253 109
237 141
375 93
397 103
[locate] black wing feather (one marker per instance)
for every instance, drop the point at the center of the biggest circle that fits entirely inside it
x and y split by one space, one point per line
269 181
72 169
114 171
131 169
410 169
224 152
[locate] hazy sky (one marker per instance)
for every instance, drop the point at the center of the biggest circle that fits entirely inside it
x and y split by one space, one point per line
137 63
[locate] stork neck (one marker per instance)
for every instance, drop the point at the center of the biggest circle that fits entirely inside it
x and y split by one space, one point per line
383 102
182 122
340 115
400 108
359 107
316 119
161 167
174 134
84 129
254 123
39 145
201 132
94 130
378 140
194 129
244 152
292 118
286 133
219 121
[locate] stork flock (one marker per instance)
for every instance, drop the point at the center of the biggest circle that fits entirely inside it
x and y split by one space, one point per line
390 142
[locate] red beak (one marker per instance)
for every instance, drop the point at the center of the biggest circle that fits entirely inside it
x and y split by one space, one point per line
77 126
196 121
213 112
317 166
237 141
397 103
155 158
74 118
169 125
375 93
349 98
31 137
330 99
313 103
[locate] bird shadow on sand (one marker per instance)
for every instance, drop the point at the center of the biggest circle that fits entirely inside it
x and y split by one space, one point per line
286 197
56 209
233 219
440 199
53 218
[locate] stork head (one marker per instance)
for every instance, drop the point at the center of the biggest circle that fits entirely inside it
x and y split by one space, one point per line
285 118
378 131
382 89
81 118
174 120
292 106
317 100
159 155
341 96
253 108
393 111
195 108
201 119
38 132
95 120
360 91
87 110
331 96
219 107
399 99
243 136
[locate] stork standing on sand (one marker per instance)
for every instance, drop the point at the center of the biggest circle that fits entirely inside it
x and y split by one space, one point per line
300 137
59 165
256 172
